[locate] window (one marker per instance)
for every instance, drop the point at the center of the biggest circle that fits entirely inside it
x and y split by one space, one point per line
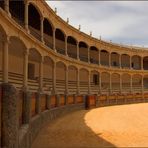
31 71
95 79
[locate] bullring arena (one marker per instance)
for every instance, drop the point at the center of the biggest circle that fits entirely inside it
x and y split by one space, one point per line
50 72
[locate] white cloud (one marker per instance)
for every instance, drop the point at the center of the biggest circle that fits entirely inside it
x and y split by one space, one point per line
113 20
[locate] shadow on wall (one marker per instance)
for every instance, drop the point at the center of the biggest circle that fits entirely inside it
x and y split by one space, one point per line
70 131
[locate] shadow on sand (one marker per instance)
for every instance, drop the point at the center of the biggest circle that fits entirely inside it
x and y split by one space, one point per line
70 131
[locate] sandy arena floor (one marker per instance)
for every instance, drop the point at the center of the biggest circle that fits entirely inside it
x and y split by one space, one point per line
114 126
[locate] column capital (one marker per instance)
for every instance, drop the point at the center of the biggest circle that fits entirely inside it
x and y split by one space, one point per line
26 2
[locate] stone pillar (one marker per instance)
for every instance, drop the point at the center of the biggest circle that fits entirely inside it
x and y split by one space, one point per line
130 62
38 102
10 119
42 29
78 51
5 66
25 84
88 54
26 14
66 46
99 58
120 83
110 83
54 43
109 59
141 63
54 78
120 63
26 107
142 85
100 83
89 88
131 84
66 80
78 82
6 6
41 75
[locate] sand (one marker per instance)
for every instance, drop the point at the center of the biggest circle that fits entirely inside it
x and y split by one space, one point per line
113 126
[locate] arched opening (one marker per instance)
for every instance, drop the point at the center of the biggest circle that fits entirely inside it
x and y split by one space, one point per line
136 62
83 51
94 82
2 40
105 82
145 83
48 33
83 79
48 75
72 47
126 79
125 61
137 83
145 63
34 60
94 55
60 41
2 4
16 62
115 79
34 21
104 58
72 79
16 9
60 77
115 59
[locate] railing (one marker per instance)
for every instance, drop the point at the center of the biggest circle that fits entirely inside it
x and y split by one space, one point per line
83 58
72 55
35 32
48 43
61 51
94 61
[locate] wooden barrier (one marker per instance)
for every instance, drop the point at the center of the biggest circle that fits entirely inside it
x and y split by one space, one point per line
129 98
62 100
120 98
112 99
20 100
53 101
33 104
102 100
90 101
79 99
138 97
70 99
43 100
0 114
146 97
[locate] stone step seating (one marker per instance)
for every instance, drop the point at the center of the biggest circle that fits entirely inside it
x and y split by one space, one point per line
33 85
83 87
60 86
94 88
15 79
48 41
72 87
35 33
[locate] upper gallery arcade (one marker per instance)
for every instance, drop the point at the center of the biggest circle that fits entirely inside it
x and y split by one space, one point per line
40 51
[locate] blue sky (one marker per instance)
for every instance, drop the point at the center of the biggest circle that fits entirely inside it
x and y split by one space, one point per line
124 22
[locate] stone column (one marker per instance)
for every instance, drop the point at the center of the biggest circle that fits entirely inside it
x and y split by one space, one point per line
110 83
66 46
26 14
120 83
100 83
131 84
88 54
78 82
130 62
42 29
25 85
89 88
5 66
54 43
6 6
66 80
99 58
109 59
54 78
10 118
141 63
120 64
142 85
78 51
41 75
